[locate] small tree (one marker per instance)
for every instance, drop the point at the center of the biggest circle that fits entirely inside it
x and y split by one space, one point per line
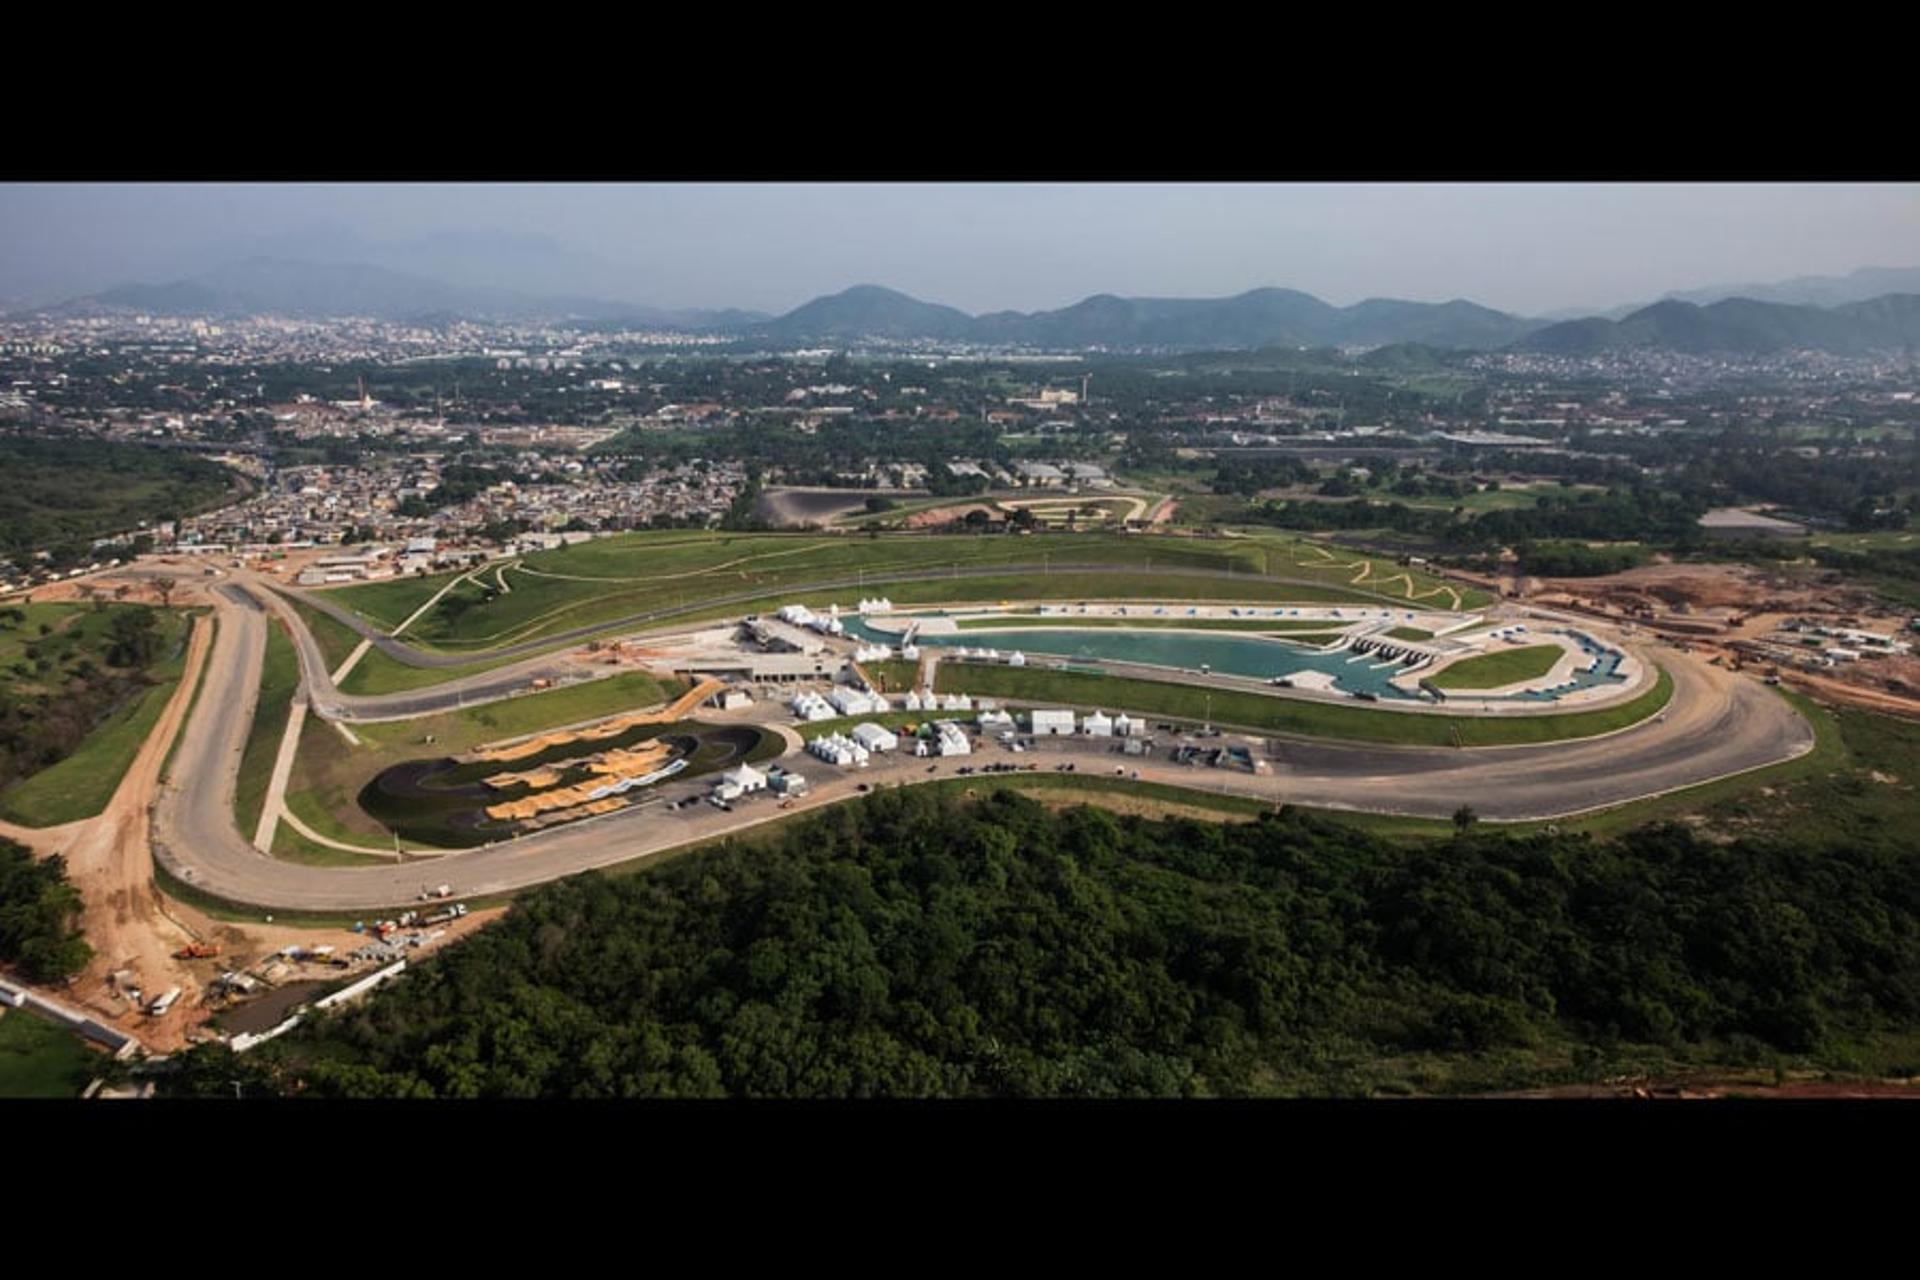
1464 817
165 587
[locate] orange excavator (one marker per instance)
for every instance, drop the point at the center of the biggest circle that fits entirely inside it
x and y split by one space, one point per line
197 951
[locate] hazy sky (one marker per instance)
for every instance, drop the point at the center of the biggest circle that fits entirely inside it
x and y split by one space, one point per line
1524 248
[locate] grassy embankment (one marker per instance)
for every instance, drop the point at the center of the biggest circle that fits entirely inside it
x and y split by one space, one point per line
615 578
1501 667
41 1060
279 678
80 785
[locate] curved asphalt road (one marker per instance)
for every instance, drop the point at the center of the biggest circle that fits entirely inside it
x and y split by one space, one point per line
1717 724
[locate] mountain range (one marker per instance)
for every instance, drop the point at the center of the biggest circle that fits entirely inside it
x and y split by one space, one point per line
1258 318
1741 325
279 286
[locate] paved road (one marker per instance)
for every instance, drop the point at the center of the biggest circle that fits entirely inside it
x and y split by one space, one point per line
1717 724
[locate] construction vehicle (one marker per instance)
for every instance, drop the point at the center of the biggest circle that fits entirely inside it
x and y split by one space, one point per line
442 916
197 951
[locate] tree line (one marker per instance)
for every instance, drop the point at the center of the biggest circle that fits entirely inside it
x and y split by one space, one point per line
39 915
919 944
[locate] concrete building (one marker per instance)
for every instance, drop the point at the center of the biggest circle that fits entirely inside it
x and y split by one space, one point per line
1733 522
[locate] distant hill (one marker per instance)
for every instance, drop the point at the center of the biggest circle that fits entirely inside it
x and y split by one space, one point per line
280 286
1818 291
869 311
1257 318
1741 326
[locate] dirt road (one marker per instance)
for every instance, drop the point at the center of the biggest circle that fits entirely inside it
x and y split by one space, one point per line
109 860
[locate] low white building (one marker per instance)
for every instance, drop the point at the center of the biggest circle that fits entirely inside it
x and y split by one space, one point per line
995 721
856 702
811 706
1050 723
951 739
837 748
875 737
740 781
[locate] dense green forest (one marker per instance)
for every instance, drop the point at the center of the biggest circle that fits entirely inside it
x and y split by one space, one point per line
913 944
39 911
62 493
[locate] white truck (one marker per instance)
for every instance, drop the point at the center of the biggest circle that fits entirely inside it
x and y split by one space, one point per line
163 1002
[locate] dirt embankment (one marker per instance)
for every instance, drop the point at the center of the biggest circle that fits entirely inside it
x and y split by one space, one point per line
110 861
796 507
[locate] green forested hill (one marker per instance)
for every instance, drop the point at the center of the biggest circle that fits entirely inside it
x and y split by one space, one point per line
72 490
917 945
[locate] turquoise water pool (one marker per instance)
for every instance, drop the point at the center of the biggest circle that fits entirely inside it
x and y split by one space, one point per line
1242 655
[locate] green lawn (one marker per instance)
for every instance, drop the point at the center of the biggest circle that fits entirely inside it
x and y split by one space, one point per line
39 1059
290 846
1506 498
376 673
1410 633
279 678
1501 667
455 731
388 604
336 639
614 578
80 785
1276 714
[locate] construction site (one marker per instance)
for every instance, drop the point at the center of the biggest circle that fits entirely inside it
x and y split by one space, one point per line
1816 632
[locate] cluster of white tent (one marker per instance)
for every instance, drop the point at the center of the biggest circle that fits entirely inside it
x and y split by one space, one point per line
838 748
857 702
879 604
811 706
800 616
1014 659
872 653
928 700
1096 724
949 740
861 743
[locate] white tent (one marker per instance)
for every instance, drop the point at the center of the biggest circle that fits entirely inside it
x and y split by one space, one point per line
875 737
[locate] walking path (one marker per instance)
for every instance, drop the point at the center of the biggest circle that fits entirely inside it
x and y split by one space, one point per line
277 784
